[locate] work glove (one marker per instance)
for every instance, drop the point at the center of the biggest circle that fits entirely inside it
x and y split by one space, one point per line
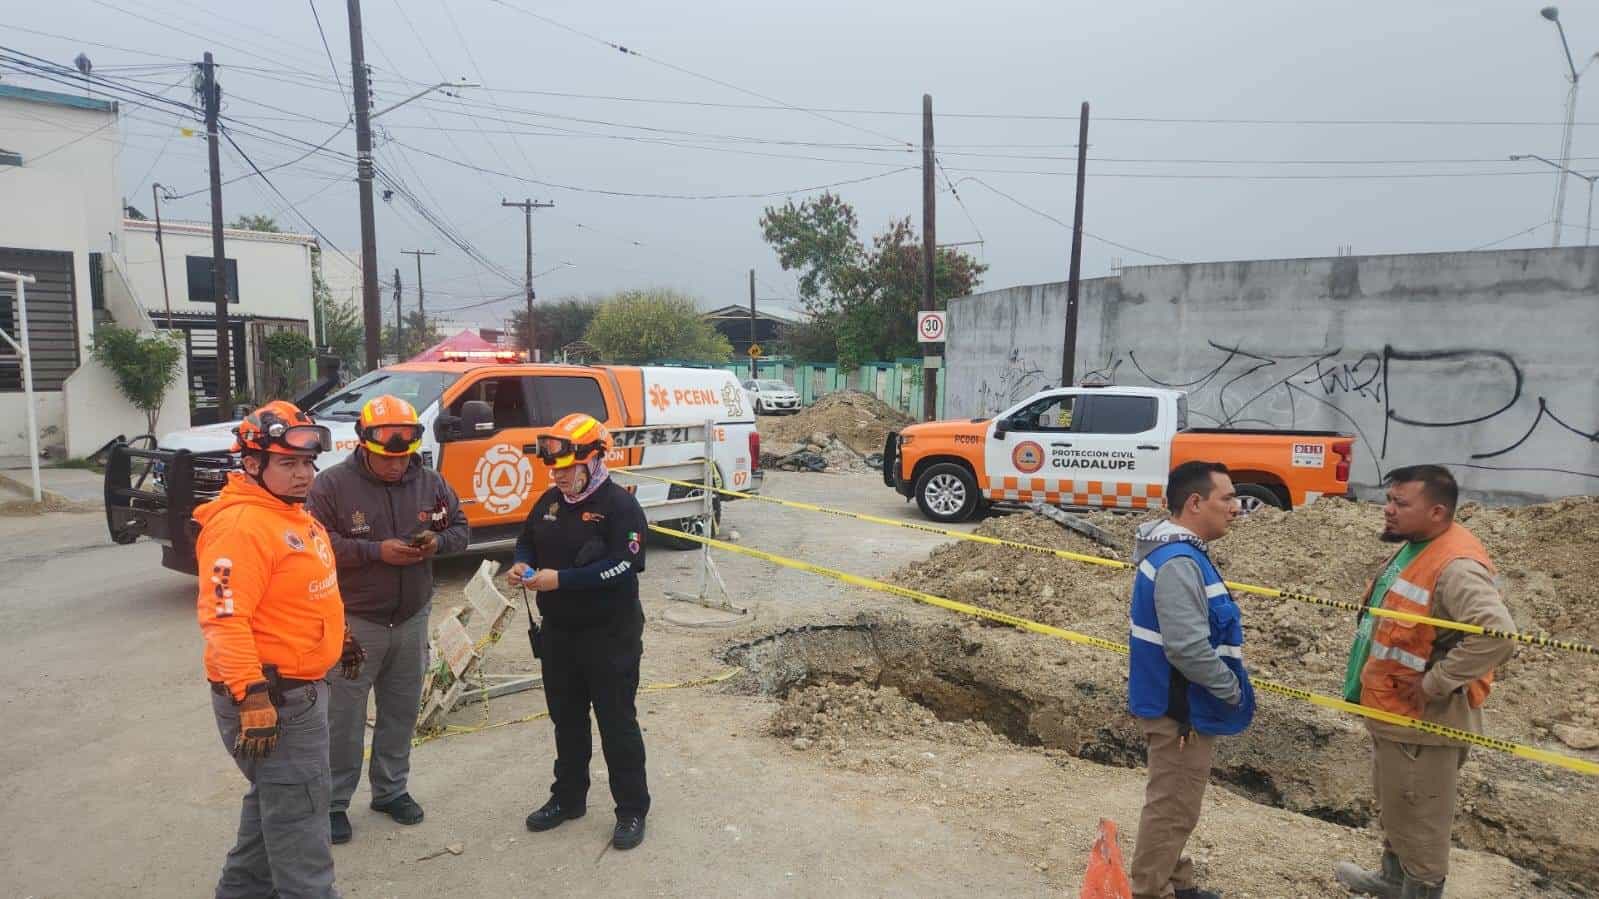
352 657
258 724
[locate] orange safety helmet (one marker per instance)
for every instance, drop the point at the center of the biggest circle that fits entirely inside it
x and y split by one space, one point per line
574 439
389 426
280 427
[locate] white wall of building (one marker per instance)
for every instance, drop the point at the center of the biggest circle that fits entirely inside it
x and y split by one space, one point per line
274 269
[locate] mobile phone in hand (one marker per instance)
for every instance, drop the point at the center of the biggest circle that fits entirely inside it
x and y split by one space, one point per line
420 538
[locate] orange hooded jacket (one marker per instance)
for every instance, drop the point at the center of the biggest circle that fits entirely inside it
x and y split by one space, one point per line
269 589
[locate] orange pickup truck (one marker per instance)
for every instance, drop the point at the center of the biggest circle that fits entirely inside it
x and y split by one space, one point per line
1105 448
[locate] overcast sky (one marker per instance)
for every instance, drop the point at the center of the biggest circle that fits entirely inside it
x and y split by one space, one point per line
1497 62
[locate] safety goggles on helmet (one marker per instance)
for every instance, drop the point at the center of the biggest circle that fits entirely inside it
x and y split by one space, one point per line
299 438
562 452
280 427
392 440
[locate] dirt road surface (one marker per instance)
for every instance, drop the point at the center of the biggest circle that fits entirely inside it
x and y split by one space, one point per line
113 781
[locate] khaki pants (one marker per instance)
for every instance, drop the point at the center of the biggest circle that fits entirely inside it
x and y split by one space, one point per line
1177 779
1415 788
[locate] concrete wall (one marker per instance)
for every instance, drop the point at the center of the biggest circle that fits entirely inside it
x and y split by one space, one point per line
1482 361
274 269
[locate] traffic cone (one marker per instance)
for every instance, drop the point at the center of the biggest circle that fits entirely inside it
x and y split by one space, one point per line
1105 878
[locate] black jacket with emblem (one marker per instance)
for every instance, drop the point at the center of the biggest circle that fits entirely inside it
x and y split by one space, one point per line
361 510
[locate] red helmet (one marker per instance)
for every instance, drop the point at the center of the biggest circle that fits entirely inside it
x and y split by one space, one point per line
573 439
280 427
389 426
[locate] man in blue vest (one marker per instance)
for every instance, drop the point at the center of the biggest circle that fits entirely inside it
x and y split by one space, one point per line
1187 683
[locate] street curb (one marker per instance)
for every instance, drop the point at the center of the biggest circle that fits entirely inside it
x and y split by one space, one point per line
26 487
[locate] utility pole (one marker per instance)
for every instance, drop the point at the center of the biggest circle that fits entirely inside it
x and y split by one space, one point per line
929 256
1068 361
399 320
371 308
752 322
161 248
421 311
219 265
527 206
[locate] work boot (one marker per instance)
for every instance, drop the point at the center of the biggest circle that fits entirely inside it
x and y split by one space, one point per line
629 831
340 824
1196 893
1385 884
552 814
1415 889
401 808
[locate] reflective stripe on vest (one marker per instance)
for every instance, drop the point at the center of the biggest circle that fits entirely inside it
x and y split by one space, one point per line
1395 654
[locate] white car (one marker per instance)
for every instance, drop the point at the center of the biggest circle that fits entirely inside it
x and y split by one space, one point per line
771 397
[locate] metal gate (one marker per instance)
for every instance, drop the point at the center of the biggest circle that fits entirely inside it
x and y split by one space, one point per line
200 347
52 319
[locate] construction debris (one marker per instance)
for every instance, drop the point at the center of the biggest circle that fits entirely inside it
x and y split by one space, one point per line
858 420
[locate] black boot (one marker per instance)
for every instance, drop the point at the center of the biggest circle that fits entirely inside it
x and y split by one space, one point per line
552 813
401 808
1196 893
1384 884
340 825
629 831
1415 889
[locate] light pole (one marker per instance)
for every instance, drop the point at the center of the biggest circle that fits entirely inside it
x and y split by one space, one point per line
1587 232
1552 13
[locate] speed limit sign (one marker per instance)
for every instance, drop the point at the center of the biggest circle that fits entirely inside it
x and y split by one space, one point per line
930 327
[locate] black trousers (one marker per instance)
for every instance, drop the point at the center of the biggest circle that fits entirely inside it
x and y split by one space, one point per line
599 667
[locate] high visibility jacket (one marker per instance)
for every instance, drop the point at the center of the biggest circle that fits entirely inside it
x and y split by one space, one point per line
269 588
1401 651
1156 689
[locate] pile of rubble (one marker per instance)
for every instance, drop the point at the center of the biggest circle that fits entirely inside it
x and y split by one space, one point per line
818 452
842 431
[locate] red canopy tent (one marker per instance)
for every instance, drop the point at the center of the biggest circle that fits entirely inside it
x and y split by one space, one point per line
465 341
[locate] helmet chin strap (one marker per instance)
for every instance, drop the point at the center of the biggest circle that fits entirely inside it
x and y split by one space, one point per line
260 481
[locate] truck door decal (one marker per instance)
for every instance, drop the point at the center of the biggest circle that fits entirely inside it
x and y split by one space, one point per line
502 479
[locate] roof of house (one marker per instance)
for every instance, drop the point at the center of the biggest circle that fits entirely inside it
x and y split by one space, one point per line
199 230
51 98
742 313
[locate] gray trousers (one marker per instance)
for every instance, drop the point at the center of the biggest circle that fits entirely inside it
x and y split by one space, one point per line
396 662
284 848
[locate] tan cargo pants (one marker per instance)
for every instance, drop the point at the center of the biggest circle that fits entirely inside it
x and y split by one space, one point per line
1177 779
1416 788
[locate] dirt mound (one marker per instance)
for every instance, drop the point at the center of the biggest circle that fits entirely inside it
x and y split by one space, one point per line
830 715
1330 549
860 420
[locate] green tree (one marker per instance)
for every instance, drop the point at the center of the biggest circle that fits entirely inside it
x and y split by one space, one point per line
647 325
339 327
560 323
144 366
285 349
256 223
815 340
868 297
413 338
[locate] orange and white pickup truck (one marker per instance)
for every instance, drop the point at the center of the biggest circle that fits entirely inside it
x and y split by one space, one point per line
1102 448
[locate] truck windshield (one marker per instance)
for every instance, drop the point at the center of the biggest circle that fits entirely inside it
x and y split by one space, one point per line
420 388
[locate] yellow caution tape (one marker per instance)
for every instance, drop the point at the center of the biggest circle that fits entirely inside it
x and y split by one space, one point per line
1271 592
1581 766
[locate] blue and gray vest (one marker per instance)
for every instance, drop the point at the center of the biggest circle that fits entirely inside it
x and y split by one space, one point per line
1154 687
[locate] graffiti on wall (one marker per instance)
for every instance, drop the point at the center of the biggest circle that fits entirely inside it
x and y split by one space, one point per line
1377 394
1019 380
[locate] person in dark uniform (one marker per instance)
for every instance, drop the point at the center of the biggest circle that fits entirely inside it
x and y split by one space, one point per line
582 549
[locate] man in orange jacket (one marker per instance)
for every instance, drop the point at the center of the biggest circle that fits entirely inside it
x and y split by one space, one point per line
273 623
1441 571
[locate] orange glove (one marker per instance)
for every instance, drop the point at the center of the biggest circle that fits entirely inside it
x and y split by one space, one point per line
258 724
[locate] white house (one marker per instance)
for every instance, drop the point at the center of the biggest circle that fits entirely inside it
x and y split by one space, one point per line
61 221
269 288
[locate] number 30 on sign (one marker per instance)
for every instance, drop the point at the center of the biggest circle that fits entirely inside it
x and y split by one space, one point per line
930 327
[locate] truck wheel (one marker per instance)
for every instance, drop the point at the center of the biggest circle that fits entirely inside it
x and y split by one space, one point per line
947 493
696 526
1254 497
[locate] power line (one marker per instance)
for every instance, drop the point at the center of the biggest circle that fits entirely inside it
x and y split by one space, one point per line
956 194
11 26
1495 243
1068 227
329 50
227 133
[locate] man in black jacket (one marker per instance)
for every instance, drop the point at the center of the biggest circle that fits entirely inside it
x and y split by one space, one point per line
387 515
582 549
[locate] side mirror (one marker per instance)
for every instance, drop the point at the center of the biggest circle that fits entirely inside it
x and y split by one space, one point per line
477 418
447 427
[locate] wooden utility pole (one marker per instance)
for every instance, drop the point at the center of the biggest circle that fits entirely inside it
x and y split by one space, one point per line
399 320
929 257
371 300
219 263
752 322
527 206
1068 362
421 311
